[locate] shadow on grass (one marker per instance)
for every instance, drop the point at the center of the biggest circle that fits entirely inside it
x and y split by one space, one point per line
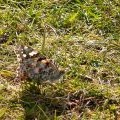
41 105
47 104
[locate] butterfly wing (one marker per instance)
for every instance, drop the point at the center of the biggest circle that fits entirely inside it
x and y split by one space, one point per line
35 66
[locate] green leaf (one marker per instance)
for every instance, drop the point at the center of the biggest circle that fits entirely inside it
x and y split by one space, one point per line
72 17
2 112
1 97
6 73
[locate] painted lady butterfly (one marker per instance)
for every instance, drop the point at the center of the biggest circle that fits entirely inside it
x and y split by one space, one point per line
34 66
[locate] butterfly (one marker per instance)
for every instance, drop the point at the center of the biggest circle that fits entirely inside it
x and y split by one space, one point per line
33 65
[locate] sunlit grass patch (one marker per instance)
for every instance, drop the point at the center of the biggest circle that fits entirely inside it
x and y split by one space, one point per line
83 37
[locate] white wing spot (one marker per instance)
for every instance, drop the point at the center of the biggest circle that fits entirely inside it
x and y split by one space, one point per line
33 53
25 47
24 55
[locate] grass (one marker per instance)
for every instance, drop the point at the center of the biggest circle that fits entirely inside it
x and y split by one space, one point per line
83 37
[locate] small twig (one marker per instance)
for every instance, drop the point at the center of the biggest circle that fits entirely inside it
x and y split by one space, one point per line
53 29
44 39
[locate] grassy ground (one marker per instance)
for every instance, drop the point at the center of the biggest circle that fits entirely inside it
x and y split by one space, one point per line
83 37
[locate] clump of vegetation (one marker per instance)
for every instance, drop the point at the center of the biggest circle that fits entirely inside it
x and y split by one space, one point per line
83 36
